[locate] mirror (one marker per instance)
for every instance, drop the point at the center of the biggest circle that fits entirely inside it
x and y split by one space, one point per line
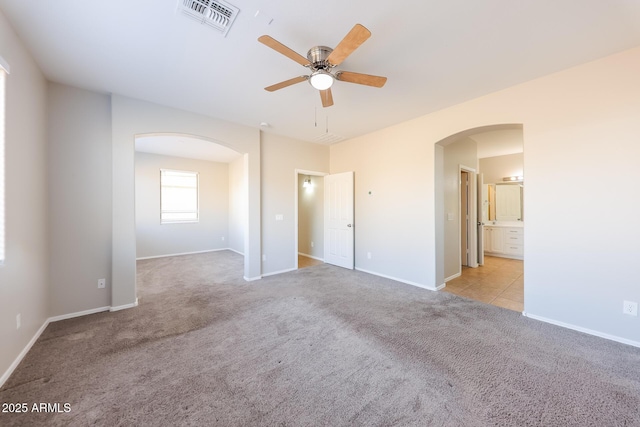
502 202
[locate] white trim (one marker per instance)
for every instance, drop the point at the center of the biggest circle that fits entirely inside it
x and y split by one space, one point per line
408 282
311 256
279 272
39 332
79 314
453 276
23 353
251 279
5 65
583 330
124 307
184 253
233 250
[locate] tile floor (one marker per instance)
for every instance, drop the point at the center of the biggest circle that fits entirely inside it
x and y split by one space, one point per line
304 261
499 282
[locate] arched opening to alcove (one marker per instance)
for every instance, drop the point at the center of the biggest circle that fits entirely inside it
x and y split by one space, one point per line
474 220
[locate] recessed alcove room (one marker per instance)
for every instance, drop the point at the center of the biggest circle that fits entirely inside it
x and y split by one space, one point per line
258 213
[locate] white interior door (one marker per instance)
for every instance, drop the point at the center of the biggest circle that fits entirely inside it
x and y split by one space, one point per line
482 202
338 219
465 226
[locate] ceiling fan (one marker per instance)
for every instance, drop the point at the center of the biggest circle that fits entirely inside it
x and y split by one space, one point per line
321 60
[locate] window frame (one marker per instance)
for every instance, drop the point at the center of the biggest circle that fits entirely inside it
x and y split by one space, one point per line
197 210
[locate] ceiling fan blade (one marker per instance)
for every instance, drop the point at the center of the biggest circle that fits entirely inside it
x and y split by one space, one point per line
279 47
327 98
361 79
286 83
358 35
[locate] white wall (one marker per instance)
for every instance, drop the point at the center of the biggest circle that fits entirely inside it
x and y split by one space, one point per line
498 167
575 122
79 130
395 221
456 153
209 233
237 205
132 117
24 279
281 156
311 216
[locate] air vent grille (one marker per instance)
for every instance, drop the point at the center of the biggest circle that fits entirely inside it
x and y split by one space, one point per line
328 138
214 13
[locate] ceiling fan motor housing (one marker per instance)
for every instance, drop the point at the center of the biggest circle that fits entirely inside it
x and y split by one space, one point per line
317 56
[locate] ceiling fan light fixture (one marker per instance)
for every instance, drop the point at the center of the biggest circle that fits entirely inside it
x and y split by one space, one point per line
321 79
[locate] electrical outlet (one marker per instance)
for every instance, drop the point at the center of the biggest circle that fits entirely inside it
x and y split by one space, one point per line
18 320
264 257
223 238
368 255
102 283
311 244
630 308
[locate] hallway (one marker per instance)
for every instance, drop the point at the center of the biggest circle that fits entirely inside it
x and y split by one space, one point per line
498 282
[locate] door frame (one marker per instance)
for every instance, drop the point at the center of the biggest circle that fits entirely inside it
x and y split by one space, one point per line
472 241
298 172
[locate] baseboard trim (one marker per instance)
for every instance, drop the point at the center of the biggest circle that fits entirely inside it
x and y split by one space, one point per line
419 285
52 319
279 272
79 314
583 330
182 253
251 279
453 277
23 353
124 307
233 250
311 256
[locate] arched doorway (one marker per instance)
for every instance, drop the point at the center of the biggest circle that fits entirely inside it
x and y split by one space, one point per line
132 117
496 151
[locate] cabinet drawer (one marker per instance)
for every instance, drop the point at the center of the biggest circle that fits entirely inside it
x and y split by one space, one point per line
514 249
513 239
514 231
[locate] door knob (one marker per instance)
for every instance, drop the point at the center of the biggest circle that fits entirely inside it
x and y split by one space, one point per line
349 225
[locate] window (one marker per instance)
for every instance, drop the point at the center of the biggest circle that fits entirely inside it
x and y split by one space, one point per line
4 70
178 196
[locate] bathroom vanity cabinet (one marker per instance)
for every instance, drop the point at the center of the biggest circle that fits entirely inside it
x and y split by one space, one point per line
504 241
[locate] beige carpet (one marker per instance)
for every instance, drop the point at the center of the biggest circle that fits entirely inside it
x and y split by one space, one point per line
318 346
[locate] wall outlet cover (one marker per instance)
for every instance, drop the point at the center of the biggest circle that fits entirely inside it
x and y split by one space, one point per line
630 308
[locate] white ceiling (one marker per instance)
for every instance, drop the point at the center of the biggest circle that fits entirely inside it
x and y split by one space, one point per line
436 53
184 146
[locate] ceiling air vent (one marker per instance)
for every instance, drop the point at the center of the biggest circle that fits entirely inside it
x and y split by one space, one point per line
328 138
215 13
